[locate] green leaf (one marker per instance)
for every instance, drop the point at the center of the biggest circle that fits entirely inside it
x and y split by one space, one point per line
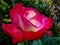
39 42
20 43
13 0
46 39
26 42
34 42
53 42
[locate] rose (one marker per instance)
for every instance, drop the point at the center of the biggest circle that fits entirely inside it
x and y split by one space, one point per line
27 24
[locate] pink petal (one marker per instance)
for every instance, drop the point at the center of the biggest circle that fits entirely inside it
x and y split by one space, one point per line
47 23
15 12
33 16
13 32
18 8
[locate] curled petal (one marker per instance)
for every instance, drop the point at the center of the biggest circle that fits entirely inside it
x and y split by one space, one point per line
13 32
34 17
47 23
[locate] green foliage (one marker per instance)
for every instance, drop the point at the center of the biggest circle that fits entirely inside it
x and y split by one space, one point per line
20 44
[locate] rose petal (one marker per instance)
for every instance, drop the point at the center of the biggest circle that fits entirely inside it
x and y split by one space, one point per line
33 16
18 8
28 35
47 23
13 32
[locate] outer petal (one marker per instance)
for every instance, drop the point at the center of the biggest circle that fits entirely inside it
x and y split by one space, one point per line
47 23
28 35
13 32
17 10
34 35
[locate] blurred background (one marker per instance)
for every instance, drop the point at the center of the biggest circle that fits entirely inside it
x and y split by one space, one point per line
51 8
